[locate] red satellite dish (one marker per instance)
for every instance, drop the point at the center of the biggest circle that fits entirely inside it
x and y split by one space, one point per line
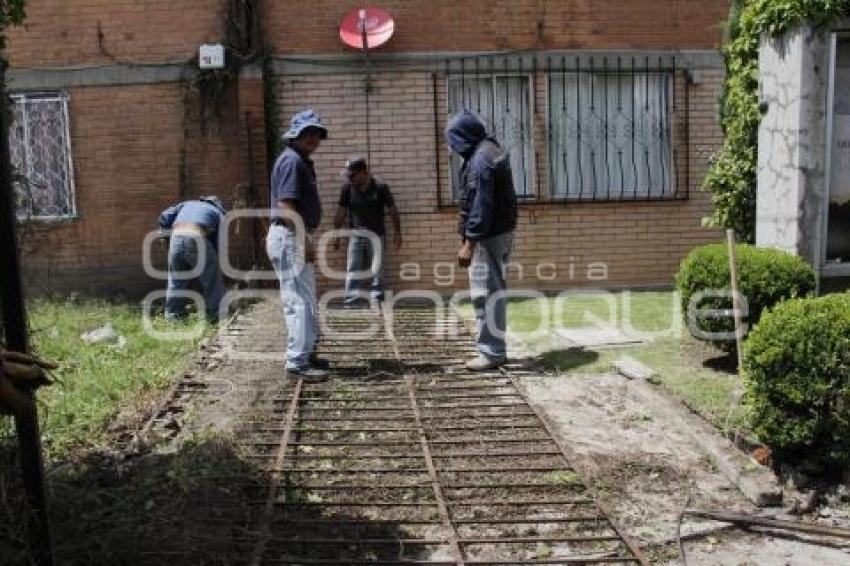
366 28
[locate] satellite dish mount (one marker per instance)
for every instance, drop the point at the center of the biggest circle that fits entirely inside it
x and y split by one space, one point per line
364 29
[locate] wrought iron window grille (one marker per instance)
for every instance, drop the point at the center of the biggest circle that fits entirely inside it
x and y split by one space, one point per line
40 149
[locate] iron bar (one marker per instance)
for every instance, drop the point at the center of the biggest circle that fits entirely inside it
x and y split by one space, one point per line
526 540
438 491
534 520
377 478
15 335
520 503
277 475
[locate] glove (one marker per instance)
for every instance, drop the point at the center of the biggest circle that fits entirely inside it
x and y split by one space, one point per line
17 373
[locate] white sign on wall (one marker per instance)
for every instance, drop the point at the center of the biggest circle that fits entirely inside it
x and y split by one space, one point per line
211 56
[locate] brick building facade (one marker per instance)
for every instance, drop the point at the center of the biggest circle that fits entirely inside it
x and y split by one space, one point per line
145 129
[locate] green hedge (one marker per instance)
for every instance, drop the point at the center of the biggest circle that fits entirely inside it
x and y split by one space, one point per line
766 277
797 367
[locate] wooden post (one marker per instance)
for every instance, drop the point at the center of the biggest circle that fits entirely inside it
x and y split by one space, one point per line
15 327
736 303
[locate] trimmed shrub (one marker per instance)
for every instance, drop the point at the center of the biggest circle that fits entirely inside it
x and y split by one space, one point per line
766 277
797 368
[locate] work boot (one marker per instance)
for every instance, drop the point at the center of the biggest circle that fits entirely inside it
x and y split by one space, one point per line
319 363
483 363
308 373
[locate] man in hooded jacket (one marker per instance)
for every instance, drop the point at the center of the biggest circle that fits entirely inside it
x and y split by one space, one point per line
488 217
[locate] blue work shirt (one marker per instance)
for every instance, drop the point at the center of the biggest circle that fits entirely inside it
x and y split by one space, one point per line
294 178
199 212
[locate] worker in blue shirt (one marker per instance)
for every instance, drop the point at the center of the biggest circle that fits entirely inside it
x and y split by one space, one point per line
295 206
488 217
194 228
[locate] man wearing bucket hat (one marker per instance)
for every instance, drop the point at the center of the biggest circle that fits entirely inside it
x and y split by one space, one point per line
295 215
194 241
362 202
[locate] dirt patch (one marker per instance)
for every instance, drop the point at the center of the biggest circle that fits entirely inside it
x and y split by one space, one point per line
643 468
646 470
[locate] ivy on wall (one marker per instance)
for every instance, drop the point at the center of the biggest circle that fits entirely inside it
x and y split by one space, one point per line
732 175
11 13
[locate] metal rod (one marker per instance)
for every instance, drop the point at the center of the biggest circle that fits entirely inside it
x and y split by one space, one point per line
647 130
496 454
565 560
736 300
501 485
525 540
742 519
520 503
375 541
522 100
634 159
343 471
605 79
502 470
534 521
356 487
432 472
350 562
353 504
276 476
15 332
362 522
437 140
477 417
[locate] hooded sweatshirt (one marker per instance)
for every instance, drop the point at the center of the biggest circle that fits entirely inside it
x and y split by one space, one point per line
488 200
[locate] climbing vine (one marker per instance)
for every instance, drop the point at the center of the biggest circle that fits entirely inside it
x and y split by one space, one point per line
11 13
732 175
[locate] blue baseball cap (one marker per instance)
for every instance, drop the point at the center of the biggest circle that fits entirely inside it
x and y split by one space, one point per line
303 120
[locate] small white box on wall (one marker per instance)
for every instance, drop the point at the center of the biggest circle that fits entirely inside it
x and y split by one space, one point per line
211 56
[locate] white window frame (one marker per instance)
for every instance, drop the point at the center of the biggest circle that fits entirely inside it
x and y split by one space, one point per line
63 98
531 168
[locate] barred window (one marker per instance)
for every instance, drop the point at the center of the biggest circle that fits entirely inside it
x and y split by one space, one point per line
610 135
503 103
40 148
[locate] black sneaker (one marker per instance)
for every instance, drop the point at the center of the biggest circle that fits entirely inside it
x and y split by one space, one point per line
319 363
308 372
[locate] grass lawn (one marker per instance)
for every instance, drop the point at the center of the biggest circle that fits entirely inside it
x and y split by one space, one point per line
96 381
698 374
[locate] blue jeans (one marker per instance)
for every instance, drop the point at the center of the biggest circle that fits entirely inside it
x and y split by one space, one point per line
297 293
360 257
486 278
182 259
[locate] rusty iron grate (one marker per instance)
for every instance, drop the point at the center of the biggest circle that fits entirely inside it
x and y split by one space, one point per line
412 460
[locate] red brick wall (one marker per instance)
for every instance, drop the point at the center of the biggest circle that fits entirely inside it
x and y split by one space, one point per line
443 25
127 166
640 243
73 32
130 143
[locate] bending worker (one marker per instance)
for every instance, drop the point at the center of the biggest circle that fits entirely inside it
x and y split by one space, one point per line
194 228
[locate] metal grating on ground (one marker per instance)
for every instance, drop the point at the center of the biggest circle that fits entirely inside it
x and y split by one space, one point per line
404 458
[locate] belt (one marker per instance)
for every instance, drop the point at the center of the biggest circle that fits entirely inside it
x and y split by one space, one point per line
279 222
